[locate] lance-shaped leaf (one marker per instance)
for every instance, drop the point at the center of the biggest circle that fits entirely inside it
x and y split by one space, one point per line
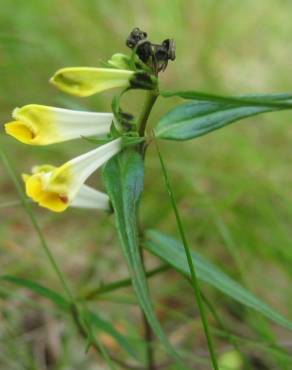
124 177
206 113
172 252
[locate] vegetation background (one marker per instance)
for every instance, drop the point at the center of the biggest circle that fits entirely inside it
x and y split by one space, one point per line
233 186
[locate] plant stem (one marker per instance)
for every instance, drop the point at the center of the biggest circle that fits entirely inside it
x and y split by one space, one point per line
119 284
150 100
148 334
149 340
35 224
194 279
229 336
151 97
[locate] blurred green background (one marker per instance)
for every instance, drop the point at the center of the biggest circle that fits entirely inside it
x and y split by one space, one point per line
233 186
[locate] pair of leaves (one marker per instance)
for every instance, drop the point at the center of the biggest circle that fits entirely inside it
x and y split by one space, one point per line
206 112
172 252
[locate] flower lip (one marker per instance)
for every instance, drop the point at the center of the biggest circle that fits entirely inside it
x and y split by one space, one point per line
20 131
34 125
35 189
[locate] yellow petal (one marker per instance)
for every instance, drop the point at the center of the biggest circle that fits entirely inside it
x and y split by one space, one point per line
33 187
54 202
20 131
86 81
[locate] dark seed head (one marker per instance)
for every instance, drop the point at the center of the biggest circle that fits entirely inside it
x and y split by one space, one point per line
154 55
135 36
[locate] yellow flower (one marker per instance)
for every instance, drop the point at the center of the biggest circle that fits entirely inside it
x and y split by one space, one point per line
42 125
56 188
86 81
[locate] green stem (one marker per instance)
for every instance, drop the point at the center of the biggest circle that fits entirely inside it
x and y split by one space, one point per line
148 333
119 284
194 279
229 336
151 97
35 224
150 100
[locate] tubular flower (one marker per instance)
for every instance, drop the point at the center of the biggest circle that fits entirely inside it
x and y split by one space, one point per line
86 81
56 188
42 125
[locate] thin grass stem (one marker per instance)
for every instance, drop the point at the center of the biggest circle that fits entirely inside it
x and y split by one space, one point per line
194 279
35 224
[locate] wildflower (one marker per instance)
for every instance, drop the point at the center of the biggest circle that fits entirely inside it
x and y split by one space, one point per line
56 188
42 125
86 81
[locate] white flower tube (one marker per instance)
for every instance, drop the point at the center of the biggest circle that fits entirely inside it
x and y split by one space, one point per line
42 125
56 188
90 198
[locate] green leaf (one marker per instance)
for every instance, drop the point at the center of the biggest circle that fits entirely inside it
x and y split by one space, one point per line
124 178
172 252
54 297
273 99
206 112
65 306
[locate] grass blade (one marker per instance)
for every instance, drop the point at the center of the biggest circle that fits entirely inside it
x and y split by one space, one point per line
171 251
